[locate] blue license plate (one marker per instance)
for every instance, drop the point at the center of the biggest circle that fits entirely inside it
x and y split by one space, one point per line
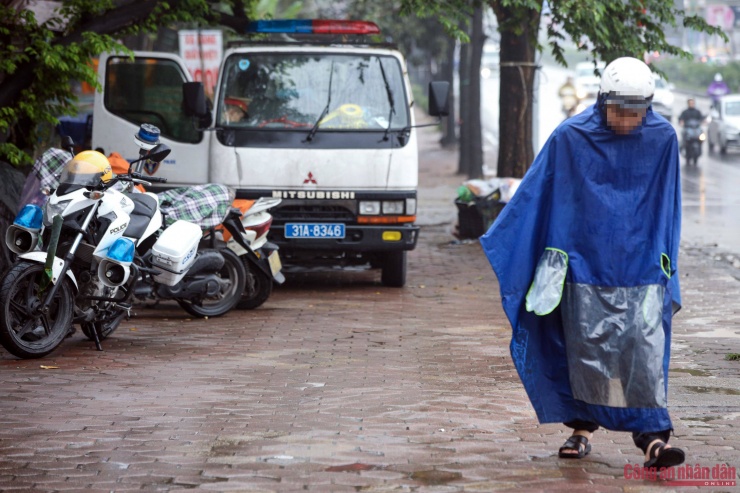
314 230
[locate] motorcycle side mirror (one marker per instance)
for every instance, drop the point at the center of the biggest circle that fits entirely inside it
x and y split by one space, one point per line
157 154
68 144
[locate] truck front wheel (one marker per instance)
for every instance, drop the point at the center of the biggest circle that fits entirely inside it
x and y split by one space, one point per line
394 269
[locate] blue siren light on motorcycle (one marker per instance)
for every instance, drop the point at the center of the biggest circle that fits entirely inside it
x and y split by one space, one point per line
31 217
313 26
122 250
148 135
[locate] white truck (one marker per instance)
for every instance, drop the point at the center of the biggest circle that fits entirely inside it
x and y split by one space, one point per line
321 122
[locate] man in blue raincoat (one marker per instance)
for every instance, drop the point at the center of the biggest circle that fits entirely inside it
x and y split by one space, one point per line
585 254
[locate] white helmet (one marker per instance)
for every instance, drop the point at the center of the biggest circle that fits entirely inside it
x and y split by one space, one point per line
718 77
629 82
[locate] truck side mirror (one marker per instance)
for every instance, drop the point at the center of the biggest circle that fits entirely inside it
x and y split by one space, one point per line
439 97
195 104
194 99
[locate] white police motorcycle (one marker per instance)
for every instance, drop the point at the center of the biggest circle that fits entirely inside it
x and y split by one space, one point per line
81 256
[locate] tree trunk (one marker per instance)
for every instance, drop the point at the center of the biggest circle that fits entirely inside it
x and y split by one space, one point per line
477 39
517 72
464 78
471 141
449 123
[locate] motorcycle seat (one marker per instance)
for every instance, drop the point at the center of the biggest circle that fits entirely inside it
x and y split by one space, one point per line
144 209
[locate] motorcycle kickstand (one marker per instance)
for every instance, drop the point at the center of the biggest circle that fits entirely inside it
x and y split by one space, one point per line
98 345
97 339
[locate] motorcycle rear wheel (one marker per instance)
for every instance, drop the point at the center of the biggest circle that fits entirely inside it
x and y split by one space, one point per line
24 331
233 270
257 290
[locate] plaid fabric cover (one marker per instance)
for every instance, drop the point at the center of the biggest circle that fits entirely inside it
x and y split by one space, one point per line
205 205
51 163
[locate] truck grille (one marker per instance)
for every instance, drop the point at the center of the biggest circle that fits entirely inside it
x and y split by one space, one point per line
314 212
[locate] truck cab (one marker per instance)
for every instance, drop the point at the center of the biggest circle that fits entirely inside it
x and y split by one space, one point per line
325 124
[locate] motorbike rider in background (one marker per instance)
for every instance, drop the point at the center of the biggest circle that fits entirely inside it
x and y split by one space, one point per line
717 89
569 97
690 113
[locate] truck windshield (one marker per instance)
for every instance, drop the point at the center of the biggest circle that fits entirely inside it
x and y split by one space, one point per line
291 91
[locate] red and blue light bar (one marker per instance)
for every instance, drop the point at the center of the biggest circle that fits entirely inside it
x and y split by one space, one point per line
313 26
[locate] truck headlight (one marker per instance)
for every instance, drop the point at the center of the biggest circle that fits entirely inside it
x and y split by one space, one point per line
393 207
370 207
410 207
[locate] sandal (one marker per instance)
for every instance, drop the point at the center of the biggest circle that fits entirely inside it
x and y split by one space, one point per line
664 457
575 442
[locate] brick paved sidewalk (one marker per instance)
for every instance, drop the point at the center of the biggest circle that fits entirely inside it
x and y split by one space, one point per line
339 384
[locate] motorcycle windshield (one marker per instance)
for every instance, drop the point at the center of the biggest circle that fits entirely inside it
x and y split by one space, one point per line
79 173
297 91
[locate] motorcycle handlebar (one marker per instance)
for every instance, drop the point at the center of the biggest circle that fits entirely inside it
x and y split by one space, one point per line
152 179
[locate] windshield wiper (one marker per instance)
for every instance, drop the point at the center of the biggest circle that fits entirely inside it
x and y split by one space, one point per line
315 127
390 99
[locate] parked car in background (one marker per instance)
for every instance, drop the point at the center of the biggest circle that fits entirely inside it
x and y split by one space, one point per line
724 127
663 98
586 81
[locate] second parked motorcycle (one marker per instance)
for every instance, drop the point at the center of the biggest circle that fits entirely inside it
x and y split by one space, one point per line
261 258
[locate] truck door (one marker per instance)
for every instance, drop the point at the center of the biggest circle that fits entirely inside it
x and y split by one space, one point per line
148 89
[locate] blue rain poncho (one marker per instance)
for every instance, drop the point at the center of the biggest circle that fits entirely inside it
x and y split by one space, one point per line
585 254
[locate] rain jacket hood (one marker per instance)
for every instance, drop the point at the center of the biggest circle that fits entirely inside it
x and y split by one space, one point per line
585 254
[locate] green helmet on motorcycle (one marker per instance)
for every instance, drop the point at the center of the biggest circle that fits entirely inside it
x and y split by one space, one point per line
88 168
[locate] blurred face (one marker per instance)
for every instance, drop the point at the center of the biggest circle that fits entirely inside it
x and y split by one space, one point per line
692 103
624 120
234 114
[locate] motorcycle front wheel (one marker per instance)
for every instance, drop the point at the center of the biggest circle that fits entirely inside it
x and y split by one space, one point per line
24 330
233 272
258 288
